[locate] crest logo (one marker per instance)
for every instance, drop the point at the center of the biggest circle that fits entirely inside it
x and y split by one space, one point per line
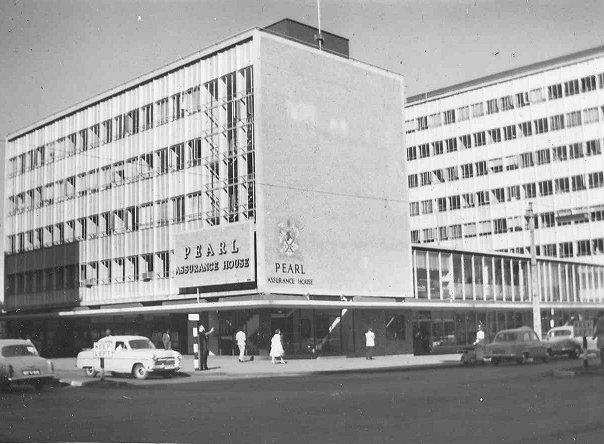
289 234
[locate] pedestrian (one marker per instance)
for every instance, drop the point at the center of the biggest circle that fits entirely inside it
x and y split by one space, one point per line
369 343
166 340
277 348
204 350
599 333
479 343
240 339
108 332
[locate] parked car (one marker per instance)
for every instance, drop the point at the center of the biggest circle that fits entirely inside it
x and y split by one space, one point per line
519 344
20 363
562 341
134 355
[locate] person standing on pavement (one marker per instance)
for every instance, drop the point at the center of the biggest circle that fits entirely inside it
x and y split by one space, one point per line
599 334
277 348
166 340
479 343
369 343
204 350
240 339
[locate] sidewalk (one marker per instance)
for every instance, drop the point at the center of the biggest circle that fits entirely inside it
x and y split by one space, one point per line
228 367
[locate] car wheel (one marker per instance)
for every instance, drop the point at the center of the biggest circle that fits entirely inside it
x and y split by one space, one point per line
39 385
546 357
90 372
550 353
523 359
140 372
495 361
574 354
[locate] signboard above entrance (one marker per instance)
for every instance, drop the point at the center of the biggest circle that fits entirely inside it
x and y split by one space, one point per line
214 256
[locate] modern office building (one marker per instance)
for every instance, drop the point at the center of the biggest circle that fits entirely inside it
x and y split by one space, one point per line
480 151
259 183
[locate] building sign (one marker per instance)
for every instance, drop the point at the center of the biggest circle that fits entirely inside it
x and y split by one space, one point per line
583 328
288 267
214 256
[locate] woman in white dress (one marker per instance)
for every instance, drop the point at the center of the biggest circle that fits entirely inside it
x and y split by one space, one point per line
277 351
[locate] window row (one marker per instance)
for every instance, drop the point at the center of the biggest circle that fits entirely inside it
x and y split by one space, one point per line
506 103
510 132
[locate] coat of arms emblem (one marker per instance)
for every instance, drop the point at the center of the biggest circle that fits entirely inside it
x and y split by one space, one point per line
288 237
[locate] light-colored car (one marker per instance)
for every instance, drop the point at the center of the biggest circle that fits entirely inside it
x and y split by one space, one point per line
518 344
20 363
562 341
134 355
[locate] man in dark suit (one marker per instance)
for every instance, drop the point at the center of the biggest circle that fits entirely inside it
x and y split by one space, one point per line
203 346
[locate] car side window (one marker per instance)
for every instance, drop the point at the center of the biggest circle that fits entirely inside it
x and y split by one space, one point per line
526 337
119 345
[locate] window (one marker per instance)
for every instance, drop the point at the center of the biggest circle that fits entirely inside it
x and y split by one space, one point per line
178 209
496 165
119 221
95 136
578 182
147 264
478 109
573 119
427 206
541 126
549 250
177 111
411 154
449 116
106 134
415 236
455 231
584 248
434 120
177 157
426 178
466 141
499 194
575 150
147 112
522 99
192 100
132 268
509 132
452 173
412 179
442 204
545 188
410 126
163 264
468 200
596 180
161 106
467 171
590 115
480 138
163 215
118 127
451 144
543 156
530 190
500 226
483 198
424 150
526 129
565 249
428 234
469 229
146 215
593 147
454 202
560 153
162 161
554 91
571 87
557 122
492 106
526 160
588 83
118 173
132 218
485 228
413 208
511 163
513 192
494 135
437 147
395 326
507 103
481 168
548 219
562 185
536 95
463 113
443 233
131 123
422 123
439 176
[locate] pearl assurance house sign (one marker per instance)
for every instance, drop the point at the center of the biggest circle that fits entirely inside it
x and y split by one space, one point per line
214 256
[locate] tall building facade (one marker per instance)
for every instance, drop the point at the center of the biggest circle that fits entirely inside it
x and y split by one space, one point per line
479 152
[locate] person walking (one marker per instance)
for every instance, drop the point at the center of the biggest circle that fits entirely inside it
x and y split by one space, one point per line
240 339
479 343
599 334
369 343
166 340
277 351
204 350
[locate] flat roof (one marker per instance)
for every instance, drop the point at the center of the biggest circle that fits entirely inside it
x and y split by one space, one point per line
509 74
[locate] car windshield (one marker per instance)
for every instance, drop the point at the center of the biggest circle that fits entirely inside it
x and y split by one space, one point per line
561 333
138 344
506 337
19 350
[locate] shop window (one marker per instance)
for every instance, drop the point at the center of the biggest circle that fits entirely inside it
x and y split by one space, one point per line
395 327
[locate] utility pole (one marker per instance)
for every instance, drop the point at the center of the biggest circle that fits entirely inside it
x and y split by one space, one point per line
319 36
534 281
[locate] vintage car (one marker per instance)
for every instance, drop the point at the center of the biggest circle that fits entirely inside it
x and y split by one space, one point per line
20 363
134 355
562 341
519 344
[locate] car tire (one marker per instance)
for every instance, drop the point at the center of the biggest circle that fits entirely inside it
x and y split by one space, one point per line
39 385
140 372
90 372
546 357
574 354
523 359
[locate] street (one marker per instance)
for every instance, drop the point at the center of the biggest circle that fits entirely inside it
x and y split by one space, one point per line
505 404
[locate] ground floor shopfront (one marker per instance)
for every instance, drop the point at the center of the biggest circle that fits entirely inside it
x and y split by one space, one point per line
307 332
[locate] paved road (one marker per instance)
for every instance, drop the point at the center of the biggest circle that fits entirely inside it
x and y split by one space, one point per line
505 404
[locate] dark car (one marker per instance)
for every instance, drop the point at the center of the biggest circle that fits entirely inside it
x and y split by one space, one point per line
518 344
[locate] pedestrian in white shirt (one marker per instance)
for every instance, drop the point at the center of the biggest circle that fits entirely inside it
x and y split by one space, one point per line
240 339
369 343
